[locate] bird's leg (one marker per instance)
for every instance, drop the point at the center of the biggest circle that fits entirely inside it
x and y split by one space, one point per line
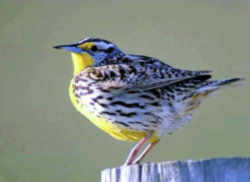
136 149
144 152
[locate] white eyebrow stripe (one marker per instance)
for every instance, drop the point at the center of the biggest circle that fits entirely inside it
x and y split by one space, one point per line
103 45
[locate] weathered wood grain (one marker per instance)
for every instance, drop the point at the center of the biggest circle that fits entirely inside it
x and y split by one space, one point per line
235 169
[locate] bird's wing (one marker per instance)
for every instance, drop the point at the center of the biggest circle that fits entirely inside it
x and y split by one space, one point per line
137 76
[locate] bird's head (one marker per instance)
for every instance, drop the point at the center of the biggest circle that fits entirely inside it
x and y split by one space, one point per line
90 52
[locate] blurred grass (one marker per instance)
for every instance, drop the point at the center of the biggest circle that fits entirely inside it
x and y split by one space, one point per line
42 137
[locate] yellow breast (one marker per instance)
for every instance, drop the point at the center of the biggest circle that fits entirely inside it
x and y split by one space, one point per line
115 131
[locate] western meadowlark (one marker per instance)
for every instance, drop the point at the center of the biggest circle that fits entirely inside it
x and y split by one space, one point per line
134 97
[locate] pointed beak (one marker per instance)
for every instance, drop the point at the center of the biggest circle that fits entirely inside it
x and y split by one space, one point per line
70 47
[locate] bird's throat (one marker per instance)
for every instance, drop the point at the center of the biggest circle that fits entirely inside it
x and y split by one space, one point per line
81 61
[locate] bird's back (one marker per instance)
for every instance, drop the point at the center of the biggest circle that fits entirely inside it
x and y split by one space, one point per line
142 95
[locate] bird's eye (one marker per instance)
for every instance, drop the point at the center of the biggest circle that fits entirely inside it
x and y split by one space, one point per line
94 48
109 50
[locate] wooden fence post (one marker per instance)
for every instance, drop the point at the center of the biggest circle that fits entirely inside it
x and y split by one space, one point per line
235 169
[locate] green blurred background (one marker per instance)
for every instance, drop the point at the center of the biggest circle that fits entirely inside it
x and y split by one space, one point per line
43 138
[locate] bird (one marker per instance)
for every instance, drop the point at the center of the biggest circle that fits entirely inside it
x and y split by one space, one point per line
135 97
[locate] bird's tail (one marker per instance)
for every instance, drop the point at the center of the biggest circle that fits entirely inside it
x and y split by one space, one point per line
214 85
207 88
217 84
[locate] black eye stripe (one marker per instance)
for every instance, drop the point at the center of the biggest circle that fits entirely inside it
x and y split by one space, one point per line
109 50
94 48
